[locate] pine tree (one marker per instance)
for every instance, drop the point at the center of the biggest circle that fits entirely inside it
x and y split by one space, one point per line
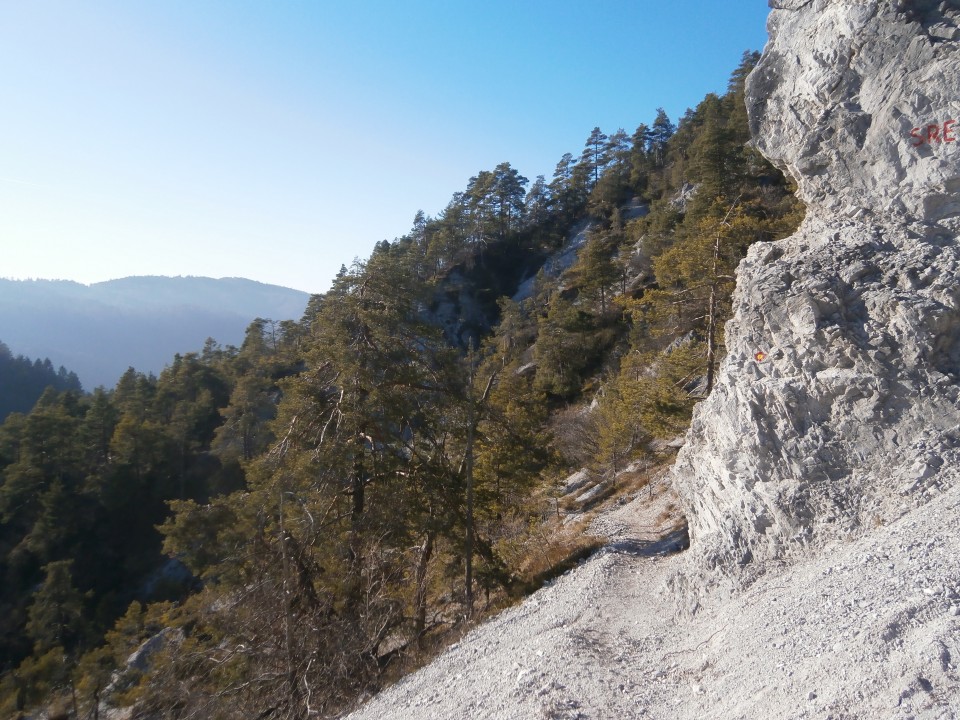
596 269
713 154
55 615
595 154
559 352
508 198
640 161
660 133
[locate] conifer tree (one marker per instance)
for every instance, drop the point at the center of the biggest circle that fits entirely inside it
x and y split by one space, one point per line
640 162
559 351
55 615
660 133
596 269
595 154
713 153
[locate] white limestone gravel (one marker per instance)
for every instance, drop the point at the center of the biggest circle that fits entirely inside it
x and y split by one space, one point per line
867 629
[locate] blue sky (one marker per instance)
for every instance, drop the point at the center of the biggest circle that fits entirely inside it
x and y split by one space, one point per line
277 140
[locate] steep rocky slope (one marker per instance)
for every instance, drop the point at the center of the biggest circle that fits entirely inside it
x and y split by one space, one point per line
820 478
850 416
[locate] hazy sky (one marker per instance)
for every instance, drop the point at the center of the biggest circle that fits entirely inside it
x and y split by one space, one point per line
276 140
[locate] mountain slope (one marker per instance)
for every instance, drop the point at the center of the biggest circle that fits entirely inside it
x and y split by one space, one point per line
869 632
98 331
819 478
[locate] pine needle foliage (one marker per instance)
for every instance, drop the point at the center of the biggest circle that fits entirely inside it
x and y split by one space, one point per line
277 529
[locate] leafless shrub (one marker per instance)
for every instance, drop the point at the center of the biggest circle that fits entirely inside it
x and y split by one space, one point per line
576 433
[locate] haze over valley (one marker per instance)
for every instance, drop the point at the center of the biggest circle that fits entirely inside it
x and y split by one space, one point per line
100 330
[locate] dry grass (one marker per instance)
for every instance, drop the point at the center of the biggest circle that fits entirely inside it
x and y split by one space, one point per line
553 550
632 483
670 511
538 550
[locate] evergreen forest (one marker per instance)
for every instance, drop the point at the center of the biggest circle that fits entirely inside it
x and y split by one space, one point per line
23 381
277 530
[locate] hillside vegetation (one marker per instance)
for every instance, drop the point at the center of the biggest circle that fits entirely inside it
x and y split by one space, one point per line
22 381
294 522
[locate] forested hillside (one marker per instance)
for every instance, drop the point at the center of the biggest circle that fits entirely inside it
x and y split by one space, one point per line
296 521
22 381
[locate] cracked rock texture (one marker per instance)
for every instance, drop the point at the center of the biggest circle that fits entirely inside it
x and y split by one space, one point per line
852 418
841 85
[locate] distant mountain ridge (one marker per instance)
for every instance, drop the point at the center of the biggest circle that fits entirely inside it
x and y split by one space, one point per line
100 330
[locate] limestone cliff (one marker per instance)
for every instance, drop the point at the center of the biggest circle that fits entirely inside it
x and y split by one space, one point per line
836 408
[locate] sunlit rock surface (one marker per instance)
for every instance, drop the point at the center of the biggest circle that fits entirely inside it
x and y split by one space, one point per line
836 409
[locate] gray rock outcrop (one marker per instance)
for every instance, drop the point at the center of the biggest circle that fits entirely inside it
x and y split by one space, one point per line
851 98
836 409
141 658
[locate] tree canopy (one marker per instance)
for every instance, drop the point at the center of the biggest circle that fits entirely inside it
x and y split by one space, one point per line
291 521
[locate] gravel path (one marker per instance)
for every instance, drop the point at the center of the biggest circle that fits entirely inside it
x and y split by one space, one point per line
870 629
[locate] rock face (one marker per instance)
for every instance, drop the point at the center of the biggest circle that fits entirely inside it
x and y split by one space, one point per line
841 87
850 416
